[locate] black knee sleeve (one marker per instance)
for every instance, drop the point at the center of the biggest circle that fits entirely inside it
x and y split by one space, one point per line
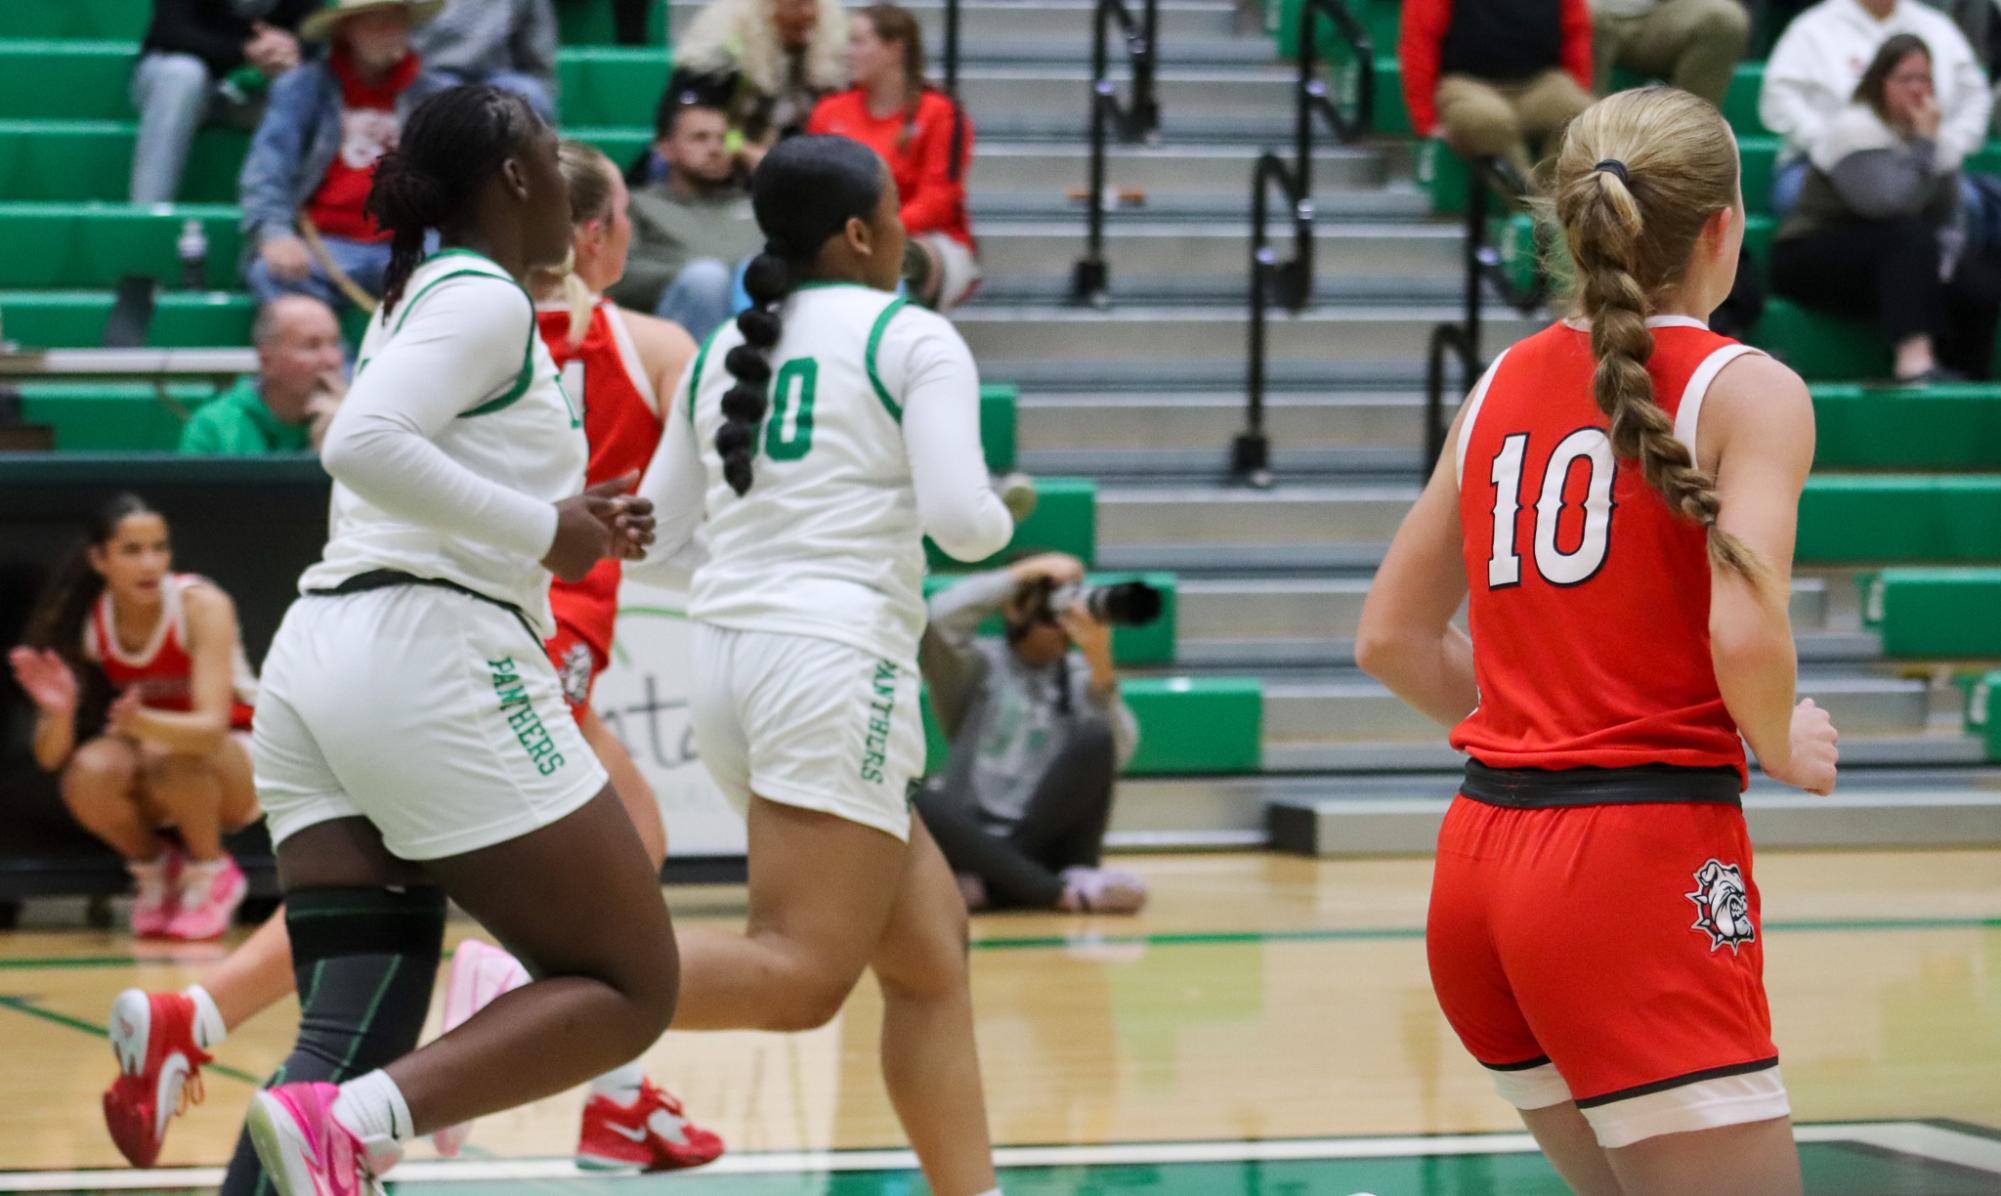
365 961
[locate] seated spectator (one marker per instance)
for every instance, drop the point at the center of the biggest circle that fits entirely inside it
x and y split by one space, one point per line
1693 44
1875 234
204 62
510 44
310 167
778 58
1038 734
926 139
287 406
1812 74
173 748
1499 78
692 232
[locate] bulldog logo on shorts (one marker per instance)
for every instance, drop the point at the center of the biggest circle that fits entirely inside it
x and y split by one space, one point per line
1722 908
575 673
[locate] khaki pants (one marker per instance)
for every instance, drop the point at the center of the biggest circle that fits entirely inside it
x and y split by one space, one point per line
1693 44
1478 118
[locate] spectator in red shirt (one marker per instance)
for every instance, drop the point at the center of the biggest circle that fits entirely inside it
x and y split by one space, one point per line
926 139
1496 77
313 159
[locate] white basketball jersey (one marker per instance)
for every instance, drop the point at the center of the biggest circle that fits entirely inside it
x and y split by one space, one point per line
827 542
528 437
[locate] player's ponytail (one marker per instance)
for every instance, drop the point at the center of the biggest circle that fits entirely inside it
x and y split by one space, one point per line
1640 173
57 620
450 146
804 193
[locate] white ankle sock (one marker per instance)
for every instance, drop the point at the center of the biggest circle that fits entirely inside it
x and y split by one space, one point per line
198 877
620 1084
373 1108
149 875
209 1027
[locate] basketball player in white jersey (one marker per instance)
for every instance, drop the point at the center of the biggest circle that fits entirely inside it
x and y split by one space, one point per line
828 430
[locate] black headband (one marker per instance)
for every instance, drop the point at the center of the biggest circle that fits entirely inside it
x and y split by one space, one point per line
1616 168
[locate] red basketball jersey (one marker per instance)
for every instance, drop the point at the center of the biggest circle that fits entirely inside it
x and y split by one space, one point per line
622 422
162 671
1589 607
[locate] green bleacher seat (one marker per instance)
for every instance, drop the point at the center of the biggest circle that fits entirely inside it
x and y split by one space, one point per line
1065 520
93 245
1931 427
603 85
1149 645
1821 347
1937 612
1980 713
121 20
997 404
92 159
101 418
591 24
1900 519
75 319
1187 725
66 80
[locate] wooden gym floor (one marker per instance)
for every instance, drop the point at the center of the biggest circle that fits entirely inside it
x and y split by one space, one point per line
1266 1028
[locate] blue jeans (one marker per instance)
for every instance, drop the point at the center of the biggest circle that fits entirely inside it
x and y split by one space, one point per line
364 262
175 96
701 296
528 87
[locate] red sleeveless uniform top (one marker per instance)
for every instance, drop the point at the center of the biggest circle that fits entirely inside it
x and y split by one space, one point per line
163 670
1589 598
622 422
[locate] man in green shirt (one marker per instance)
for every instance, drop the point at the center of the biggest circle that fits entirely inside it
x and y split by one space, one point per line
691 232
287 406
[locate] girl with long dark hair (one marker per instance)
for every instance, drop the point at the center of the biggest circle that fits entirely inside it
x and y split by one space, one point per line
412 742
173 751
827 431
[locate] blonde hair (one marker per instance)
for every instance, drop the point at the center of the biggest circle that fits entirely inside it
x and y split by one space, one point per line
589 173
740 35
1640 174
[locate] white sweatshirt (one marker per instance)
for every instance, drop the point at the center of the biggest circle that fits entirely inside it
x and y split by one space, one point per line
1813 71
454 443
871 442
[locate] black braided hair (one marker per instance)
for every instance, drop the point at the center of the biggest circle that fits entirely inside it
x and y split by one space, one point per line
450 146
804 193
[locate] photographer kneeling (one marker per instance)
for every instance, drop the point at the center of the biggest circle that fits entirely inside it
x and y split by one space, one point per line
1038 734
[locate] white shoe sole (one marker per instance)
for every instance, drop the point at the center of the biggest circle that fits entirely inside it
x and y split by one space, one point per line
278 1148
132 1010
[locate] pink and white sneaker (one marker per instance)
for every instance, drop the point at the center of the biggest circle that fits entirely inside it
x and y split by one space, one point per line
156 899
306 1152
480 973
208 900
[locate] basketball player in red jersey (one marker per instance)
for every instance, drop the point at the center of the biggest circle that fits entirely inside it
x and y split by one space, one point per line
1619 495
617 367
172 752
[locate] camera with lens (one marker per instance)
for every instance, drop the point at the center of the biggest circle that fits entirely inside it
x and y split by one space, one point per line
1121 604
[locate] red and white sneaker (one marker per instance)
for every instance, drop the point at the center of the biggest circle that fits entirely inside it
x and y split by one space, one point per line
159 1071
156 898
306 1152
480 973
208 900
650 1134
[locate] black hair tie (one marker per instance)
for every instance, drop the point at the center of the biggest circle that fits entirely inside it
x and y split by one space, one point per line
1616 168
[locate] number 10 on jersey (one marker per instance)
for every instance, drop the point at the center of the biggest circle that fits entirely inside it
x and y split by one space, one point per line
1593 450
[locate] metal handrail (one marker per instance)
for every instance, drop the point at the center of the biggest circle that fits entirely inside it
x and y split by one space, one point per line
951 55
1136 120
1291 281
1485 178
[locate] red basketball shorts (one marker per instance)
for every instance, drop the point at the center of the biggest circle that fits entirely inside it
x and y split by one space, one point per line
1611 955
578 663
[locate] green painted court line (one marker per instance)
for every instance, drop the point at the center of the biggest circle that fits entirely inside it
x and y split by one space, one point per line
1392 933
23 1005
1183 939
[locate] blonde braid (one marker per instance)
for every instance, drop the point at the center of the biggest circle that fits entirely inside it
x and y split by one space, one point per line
1644 146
